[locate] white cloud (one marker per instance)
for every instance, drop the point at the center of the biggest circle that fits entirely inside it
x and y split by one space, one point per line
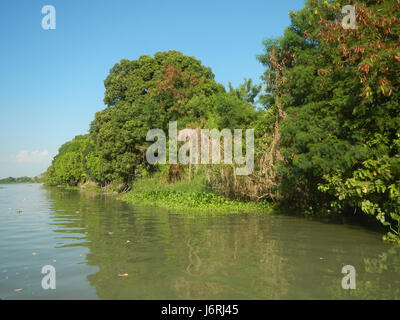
25 156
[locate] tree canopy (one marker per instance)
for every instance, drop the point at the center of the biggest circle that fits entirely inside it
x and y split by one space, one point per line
327 137
141 95
339 90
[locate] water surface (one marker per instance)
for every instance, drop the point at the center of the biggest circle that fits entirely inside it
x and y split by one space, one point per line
92 239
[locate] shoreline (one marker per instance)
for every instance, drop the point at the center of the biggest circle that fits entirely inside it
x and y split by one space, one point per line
196 202
175 196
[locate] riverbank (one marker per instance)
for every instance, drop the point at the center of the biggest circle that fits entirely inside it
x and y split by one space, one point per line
194 201
193 196
150 192
196 197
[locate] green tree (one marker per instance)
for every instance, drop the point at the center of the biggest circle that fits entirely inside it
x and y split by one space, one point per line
246 91
340 94
68 166
144 94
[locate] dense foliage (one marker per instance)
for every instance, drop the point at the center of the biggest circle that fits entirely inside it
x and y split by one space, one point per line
339 91
68 166
145 94
327 138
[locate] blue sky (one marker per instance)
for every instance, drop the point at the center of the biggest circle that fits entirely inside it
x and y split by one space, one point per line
51 81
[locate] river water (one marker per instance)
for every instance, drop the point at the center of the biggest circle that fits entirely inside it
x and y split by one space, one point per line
102 248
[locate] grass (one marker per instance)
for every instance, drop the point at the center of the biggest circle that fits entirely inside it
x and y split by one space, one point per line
186 196
181 196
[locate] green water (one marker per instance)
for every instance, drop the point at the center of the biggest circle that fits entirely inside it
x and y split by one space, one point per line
91 239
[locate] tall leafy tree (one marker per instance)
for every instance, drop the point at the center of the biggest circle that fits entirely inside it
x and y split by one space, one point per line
340 137
144 94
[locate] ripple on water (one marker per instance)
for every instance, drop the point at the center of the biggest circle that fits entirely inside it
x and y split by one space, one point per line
92 240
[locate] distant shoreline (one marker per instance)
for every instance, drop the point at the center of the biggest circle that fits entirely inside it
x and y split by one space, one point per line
12 180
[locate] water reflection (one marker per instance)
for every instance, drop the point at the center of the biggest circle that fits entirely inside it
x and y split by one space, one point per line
172 256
